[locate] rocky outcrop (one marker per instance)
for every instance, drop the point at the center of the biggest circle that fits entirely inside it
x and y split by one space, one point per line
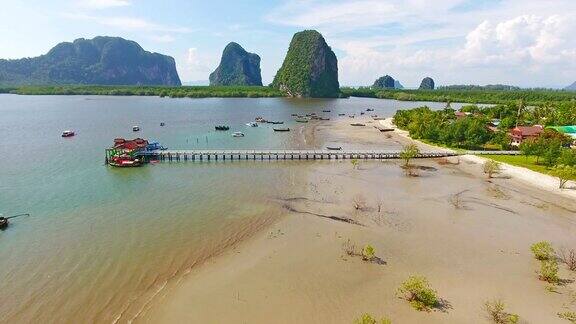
102 61
427 84
237 68
398 85
310 68
571 87
385 82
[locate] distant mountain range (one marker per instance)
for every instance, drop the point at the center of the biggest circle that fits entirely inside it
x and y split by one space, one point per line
571 87
98 61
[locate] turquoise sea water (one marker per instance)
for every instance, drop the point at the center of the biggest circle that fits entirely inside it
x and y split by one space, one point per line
101 241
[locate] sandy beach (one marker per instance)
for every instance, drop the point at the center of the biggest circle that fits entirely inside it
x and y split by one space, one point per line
468 235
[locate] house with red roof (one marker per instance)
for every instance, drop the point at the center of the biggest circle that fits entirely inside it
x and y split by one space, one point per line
521 133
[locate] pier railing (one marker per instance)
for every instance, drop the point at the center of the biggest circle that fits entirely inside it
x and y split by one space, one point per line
235 155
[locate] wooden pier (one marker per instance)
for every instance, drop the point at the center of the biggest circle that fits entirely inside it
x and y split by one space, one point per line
299 155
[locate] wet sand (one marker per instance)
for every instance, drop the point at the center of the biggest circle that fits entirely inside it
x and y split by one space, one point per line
469 236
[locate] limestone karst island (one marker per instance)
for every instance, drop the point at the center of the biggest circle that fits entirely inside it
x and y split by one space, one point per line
351 161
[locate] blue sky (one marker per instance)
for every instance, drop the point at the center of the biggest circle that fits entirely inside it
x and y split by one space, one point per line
523 42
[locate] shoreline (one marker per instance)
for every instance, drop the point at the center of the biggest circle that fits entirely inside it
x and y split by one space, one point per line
533 178
295 271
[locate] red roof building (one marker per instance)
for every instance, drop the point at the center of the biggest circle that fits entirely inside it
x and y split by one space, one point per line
521 133
130 145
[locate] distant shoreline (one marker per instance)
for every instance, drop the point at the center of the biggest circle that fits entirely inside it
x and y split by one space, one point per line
531 97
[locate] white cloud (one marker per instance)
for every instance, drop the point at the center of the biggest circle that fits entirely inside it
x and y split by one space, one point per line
527 40
103 4
128 23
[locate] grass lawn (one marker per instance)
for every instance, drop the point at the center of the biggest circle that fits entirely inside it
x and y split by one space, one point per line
521 161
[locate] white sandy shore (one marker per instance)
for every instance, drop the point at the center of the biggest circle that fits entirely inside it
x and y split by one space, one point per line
533 178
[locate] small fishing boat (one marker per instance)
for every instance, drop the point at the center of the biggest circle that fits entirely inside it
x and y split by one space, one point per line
124 161
326 111
294 115
162 124
357 124
362 113
222 127
324 118
4 221
369 109
301 120
238 134
252 124
281 129
341 114
260 120
334 148
276 122
135 128
378 118
351 116
68 133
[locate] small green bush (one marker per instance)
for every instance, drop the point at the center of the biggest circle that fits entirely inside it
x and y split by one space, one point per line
549 271
368 253
497 314
417 291
569 316
542 250
369 319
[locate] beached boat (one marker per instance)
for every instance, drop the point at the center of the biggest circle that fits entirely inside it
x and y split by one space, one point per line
222 127
357 124
362 113
324 118
281 129
252 124
378 118
238 134
68 133
351 116
383 129
341 114
369 109
334 148
326 111
301 120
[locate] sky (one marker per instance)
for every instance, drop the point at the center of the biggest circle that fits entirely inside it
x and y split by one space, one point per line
529 43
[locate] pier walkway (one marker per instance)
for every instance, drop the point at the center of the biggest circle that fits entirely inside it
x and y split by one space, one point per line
235 155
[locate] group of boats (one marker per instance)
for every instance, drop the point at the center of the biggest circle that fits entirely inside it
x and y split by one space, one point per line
135 128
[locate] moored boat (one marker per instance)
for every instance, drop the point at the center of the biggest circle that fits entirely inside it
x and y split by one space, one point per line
341 114
125 161
281 129
221 127
276 122
383 129
162 124
135 128
3 223
68 133
238 134
252 124
369 109
301 120
326 111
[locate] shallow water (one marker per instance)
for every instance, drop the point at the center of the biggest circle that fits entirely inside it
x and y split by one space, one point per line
101 241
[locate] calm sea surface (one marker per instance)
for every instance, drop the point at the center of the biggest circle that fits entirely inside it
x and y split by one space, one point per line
102 241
